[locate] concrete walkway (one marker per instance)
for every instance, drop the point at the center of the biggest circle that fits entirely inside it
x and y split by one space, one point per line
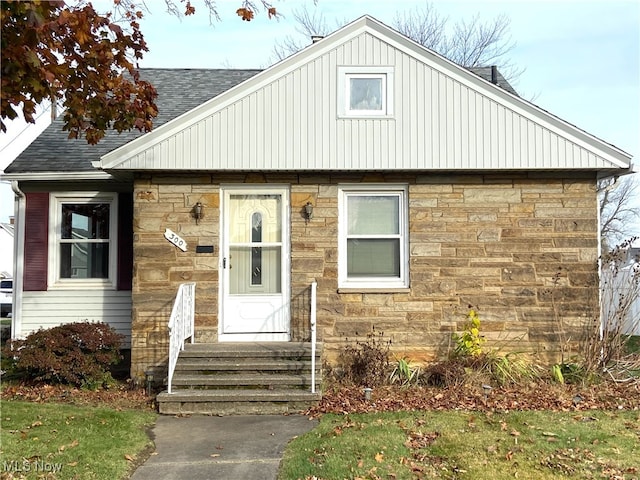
243 447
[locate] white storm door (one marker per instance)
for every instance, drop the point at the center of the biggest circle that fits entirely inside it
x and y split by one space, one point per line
255 263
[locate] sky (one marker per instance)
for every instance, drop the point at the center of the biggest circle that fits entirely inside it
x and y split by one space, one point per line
581 58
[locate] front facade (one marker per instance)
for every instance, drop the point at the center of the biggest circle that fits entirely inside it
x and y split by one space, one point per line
407 187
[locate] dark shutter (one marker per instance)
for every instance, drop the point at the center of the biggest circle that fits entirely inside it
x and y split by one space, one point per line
125 240
36 241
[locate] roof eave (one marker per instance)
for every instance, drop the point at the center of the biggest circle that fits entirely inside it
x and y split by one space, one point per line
52 176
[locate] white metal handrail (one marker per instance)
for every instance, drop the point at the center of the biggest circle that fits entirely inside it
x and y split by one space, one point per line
180 325
312 318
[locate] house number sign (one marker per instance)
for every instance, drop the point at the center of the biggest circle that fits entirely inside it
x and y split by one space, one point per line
174 238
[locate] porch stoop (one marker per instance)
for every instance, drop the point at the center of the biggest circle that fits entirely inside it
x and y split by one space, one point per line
242 378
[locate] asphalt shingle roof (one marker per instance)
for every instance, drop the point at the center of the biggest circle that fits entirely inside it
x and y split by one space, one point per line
179 90
485 72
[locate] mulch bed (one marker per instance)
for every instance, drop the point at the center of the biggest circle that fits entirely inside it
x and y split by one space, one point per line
120 396
351 399
534 396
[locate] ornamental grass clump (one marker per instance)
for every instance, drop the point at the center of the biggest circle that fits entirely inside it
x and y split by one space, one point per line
78 354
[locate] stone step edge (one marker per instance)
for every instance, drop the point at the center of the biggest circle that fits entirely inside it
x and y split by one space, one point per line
230 350
195 396
233 408
248 365
225 379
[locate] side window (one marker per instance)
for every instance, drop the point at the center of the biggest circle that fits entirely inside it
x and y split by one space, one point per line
373 238
83 241
256 252
365 91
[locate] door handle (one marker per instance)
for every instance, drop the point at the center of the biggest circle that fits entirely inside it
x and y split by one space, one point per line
224 263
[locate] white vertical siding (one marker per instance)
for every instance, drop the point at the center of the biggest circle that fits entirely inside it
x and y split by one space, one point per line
439 122
57 307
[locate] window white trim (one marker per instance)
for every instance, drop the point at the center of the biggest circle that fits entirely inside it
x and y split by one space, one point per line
402 193
57 200
345 74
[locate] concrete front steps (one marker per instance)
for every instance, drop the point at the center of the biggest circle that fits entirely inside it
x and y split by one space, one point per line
242 378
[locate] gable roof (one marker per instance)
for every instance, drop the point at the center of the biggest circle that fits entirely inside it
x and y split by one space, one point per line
179 90
243 104
485 72
285 118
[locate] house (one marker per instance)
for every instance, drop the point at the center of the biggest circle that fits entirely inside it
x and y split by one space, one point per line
631 271
6 247
620 290
6 268
409 188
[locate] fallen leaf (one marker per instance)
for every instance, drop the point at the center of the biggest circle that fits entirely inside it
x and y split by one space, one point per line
379 457
72 464
129 457
214 455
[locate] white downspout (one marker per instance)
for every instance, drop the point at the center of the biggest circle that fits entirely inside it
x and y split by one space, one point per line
19 208
599 261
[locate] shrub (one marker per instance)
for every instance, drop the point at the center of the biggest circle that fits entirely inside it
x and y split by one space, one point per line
365 363
469 363
469 343
490 367
79 354
446 373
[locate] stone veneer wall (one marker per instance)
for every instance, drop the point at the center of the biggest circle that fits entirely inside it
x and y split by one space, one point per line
520 248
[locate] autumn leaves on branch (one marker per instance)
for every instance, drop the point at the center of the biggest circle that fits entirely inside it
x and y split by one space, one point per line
66 52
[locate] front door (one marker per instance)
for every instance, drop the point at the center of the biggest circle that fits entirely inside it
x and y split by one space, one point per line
254 270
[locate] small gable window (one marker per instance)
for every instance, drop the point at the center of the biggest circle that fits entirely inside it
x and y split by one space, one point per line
365 91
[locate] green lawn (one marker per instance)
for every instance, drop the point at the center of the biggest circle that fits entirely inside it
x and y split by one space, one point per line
633 344
463 445
63 441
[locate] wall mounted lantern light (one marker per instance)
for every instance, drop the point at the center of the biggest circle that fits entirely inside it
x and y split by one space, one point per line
198 211
308 212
